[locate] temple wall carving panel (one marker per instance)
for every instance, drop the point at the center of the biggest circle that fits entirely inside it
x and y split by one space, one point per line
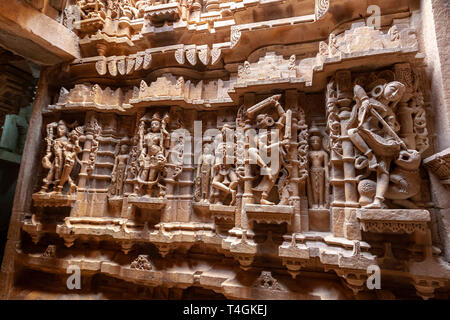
189 132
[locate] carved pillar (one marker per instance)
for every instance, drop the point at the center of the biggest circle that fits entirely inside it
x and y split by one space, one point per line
247 197
300 219
342 177
186 177
83 175
343 82
403 74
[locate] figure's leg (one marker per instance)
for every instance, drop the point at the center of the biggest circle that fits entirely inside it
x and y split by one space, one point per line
152 178
59 164
265 186
363 147
217 183
119 182
255 158
143 177
65 176
48 179
321 190
382 186
315 191
233 186
205 186
73 186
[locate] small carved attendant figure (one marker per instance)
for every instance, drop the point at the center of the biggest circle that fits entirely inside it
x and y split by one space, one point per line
91 8
332 45
318 174
405 181
70 156
119 169
204 173
292 62
225 180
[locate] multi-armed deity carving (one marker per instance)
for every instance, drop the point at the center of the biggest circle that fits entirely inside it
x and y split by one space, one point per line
266 146
152 148
61 156
275 150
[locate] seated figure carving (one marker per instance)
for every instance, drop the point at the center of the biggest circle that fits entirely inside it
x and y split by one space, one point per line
373 130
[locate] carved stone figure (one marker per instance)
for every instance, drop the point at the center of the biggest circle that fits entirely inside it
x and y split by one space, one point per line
225 178
372 129
263 142
60 156
205 171
153 145
118 174
405 180
318 171
312 127
91 8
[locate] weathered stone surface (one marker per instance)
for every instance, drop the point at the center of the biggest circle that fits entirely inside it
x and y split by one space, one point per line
247 146
30 33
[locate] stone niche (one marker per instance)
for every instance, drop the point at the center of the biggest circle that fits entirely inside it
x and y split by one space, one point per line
226 157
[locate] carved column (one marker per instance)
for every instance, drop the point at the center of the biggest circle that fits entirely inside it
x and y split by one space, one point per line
403 74
343 83
342 178
247 197
83 175
300 219
186 177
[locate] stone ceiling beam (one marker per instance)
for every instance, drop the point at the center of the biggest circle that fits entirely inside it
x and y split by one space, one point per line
34 36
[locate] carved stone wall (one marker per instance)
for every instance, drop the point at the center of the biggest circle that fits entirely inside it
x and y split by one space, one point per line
196 146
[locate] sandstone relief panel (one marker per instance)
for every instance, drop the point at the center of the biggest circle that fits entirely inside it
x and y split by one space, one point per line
231 162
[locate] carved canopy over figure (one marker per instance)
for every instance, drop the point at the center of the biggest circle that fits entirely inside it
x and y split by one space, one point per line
60 157
153 148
